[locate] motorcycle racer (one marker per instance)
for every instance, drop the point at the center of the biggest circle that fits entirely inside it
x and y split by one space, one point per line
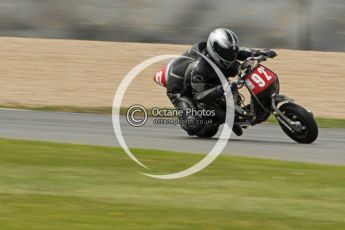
193 84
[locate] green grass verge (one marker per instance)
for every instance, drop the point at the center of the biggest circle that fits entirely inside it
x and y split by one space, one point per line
321 122
60 186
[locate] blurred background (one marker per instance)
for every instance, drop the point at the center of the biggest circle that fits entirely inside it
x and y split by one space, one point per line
292 24
91 46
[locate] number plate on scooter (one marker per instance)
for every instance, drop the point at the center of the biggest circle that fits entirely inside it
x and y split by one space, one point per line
260 79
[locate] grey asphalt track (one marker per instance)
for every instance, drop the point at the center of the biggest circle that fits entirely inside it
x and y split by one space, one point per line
262 141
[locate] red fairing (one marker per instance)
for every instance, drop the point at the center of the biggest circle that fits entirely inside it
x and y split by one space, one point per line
260 79
160 77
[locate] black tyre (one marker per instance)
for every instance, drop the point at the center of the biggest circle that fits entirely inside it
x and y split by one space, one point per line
309 131
208 131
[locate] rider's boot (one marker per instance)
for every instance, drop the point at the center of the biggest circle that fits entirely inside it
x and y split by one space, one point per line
240 111
237 130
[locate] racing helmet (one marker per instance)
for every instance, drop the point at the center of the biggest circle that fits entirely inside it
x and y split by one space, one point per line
222 46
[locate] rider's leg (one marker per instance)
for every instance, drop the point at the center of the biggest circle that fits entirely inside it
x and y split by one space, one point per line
220 115
175 87
189 122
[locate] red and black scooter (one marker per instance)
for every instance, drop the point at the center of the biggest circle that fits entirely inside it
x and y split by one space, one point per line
263 85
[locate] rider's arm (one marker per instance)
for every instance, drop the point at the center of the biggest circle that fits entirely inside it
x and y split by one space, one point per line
245 53
200 83
213 93
209 94
204 83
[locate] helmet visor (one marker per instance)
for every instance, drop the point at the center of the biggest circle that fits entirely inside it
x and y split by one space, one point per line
226 54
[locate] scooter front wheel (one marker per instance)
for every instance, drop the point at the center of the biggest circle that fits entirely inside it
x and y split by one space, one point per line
309 129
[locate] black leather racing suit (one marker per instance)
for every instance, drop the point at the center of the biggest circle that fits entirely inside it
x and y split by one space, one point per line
192 83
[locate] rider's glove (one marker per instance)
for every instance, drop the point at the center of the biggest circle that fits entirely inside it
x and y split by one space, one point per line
268 53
